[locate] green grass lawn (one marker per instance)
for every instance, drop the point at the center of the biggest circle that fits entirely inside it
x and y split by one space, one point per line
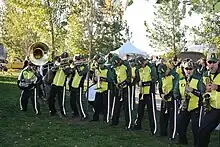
27 129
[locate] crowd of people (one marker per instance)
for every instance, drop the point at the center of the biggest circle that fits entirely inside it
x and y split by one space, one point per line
188 91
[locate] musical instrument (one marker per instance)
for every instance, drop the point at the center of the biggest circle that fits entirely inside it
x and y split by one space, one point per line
28 83
38 53
207 95
185 102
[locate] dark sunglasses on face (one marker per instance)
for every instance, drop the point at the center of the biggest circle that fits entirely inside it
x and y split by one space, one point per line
211 62
188 68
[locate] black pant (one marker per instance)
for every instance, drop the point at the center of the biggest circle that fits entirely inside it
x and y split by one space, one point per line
132 96
60 92
101 104
76 101
133 105
183 119
120 99
74 94
151 109
113 94
25 95
168 114
209 122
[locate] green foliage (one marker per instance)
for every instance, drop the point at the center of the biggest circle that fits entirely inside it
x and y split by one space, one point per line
208 31
166 33
64 25
102 25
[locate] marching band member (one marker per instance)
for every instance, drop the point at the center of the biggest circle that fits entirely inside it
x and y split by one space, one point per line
122 81
112 87
58 87
201 68
168 112
189 90
102 97
27 81
76 85
212 116
146 76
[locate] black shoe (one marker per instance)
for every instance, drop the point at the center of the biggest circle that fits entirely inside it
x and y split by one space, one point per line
94 120
75 115
136 127
172 141
24 110
84 118
38 113
127 129
52 113
105 122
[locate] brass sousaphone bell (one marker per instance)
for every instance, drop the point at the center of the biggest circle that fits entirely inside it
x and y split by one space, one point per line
38 53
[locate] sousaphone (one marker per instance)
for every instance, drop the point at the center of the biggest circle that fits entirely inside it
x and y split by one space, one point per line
38 53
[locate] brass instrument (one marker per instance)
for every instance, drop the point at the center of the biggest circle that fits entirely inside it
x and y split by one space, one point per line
81 62
38 53
185 101
207 95
26 83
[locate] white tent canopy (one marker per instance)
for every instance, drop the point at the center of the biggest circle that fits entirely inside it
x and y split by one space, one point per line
197 48
128 48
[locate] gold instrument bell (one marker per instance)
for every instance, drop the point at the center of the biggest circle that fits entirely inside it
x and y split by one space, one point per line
38 53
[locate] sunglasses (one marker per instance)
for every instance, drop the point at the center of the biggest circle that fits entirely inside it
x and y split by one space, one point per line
188 69
211 62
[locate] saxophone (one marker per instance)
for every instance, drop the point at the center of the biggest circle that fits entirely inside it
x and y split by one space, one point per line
185 101
207 95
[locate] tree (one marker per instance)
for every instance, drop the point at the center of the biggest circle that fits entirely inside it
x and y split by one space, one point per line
208 32
102 25
167 33
63 25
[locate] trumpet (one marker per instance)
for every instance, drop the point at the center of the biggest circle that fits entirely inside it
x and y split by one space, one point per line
81 62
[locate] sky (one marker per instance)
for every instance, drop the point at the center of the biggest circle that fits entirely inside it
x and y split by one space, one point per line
142 10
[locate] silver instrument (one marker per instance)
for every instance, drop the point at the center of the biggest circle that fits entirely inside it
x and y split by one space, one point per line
185 101
39 53
207 95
